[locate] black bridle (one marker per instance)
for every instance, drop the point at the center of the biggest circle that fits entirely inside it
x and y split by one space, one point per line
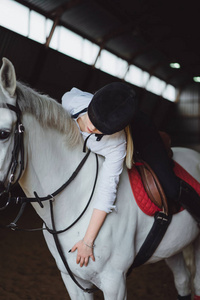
18 159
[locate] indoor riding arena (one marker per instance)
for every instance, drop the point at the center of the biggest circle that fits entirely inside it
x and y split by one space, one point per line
52 46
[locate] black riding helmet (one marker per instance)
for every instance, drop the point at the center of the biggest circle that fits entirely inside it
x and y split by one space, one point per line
112 107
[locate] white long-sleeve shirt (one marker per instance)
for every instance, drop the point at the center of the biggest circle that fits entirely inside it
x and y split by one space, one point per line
112 147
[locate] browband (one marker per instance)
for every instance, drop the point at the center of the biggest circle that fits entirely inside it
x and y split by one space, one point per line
11 107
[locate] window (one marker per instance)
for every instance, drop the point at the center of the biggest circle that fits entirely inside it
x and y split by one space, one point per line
20 19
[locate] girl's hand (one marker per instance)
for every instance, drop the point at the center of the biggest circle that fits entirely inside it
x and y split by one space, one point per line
84 253
85 246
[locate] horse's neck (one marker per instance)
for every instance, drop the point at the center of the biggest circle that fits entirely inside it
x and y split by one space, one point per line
45 150
49 161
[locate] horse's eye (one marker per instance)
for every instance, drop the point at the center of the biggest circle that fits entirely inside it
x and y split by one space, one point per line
4 134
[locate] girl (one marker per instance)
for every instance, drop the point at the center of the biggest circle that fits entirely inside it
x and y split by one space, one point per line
103 120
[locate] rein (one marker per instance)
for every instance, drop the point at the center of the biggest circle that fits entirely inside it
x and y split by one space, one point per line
18 150
51 198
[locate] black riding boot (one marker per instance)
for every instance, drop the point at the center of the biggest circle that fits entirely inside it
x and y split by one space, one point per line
190 200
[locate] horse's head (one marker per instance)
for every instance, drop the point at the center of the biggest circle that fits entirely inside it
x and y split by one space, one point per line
48 126
8 119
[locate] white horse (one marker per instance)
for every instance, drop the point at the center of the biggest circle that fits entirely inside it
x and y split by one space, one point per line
53 150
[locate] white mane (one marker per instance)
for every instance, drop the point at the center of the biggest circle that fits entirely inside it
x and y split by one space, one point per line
47 111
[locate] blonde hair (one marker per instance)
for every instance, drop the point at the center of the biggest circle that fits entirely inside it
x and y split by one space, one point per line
129 149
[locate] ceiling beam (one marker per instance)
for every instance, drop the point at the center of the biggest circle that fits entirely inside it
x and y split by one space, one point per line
102 41
115 33
64 7
49 38
57 13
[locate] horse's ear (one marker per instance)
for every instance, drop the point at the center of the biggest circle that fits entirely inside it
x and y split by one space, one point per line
8 77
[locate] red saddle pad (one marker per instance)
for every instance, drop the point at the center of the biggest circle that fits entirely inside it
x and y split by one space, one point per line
141 197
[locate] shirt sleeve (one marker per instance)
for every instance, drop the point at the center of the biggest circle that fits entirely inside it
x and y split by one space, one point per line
113 148
76 100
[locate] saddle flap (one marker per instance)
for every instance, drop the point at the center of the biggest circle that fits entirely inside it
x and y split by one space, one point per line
152 185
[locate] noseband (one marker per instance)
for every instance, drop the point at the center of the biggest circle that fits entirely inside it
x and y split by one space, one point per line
17 157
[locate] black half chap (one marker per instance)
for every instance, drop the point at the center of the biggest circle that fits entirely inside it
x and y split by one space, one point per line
148 144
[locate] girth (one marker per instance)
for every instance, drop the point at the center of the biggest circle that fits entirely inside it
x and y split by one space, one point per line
162 219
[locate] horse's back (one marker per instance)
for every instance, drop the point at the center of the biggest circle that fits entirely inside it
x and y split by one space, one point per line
189 159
